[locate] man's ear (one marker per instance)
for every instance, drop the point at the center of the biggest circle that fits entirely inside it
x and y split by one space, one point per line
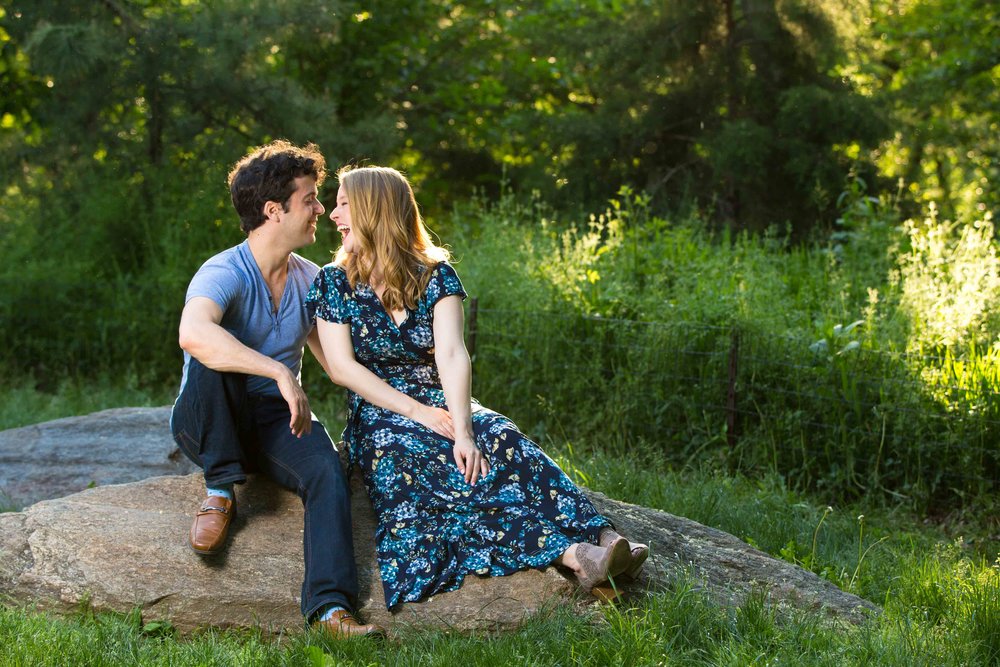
271 210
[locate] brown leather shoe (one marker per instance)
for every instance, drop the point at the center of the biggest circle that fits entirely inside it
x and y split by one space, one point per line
341 625
211 525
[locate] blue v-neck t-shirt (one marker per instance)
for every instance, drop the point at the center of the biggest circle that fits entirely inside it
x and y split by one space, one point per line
233 280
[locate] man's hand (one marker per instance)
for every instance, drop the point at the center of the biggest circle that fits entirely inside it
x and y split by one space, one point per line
436 419
298 404
470 460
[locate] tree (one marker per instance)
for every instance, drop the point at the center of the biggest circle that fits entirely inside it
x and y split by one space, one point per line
734 103
132 111
934 62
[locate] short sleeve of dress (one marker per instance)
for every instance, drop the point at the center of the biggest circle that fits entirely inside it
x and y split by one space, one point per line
443 282
329 295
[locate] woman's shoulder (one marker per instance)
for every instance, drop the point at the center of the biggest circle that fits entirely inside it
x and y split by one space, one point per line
330 298
436 273
333 277
442 281
333 272
443 268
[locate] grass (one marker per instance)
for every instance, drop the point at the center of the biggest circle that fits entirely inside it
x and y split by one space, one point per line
941 596
679 627
25 403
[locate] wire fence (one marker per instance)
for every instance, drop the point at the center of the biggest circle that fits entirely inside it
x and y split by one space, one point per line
852 421
861 421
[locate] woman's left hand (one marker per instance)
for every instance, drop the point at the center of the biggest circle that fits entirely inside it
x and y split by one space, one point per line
470 460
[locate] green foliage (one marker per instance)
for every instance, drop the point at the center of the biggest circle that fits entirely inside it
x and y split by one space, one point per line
756 110
729 103
933 64
633 328
158 83
949 280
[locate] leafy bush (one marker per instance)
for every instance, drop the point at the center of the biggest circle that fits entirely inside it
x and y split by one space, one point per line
746 352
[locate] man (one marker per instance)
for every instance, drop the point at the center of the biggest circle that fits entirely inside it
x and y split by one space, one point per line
241 407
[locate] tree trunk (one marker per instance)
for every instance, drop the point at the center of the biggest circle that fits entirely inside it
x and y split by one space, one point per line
729 207
155 123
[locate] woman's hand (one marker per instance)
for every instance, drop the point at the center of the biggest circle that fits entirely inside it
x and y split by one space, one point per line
470 460
436 419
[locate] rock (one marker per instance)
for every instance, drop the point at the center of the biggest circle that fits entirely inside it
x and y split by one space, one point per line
124 546
724 566
63 456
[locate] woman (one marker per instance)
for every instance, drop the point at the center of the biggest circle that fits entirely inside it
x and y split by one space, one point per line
456 487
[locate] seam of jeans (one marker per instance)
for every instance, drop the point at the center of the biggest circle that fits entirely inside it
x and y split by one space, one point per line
185 442
289 469
306 542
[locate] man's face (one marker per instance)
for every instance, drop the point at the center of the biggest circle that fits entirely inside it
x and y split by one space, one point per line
304 207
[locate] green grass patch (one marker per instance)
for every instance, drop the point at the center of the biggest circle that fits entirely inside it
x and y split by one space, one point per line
24 403
677 627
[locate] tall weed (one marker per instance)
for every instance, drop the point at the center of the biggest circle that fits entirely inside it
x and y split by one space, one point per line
744 352
949 278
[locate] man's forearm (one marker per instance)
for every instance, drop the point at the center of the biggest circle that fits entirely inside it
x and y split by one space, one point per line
219 350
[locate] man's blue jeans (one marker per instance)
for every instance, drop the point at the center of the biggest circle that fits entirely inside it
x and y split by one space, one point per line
229 433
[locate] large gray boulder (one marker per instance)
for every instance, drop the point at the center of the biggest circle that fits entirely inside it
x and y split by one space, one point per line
63 456
125 546
122 547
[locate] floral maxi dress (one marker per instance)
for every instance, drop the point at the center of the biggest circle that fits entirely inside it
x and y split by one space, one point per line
433 527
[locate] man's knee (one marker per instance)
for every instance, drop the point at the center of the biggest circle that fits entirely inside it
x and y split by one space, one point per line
207 392
323 472
204 378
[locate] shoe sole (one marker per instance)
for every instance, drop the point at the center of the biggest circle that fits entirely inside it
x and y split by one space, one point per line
638 558
201 552
607 593
621 557
337 634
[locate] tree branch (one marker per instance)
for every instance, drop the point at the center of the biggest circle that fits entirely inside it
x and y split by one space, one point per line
123 14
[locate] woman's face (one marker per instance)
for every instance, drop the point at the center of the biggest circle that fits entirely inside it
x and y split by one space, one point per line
341 217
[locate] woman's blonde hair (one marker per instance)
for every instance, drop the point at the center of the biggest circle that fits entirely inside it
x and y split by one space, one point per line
389 234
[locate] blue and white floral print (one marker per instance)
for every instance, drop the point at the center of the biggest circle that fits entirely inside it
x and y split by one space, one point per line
433 528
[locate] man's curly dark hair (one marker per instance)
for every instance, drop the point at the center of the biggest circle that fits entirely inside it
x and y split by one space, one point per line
268 173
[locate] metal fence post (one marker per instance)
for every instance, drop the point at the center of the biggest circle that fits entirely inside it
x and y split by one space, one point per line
734 353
